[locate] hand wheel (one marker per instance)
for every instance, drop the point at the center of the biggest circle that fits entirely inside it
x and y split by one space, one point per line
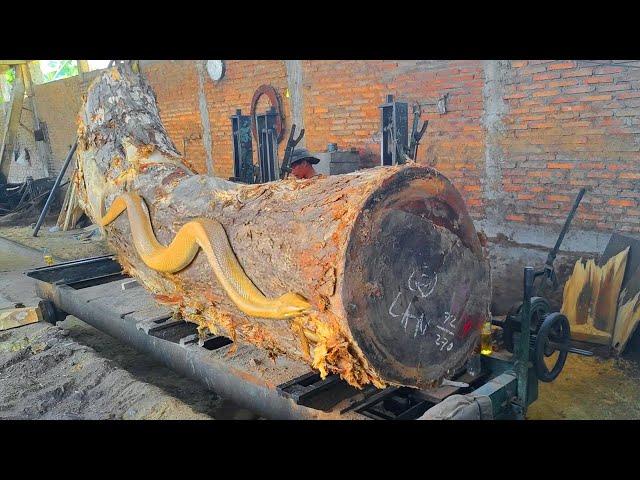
554 335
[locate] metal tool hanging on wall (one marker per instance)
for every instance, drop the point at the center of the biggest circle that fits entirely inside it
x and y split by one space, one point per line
416 135
398 147
285 168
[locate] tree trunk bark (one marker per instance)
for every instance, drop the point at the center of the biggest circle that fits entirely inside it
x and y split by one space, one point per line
388 257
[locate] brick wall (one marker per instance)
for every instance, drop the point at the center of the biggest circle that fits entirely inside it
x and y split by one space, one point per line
58 104
176 86
236 90
570 125
342 99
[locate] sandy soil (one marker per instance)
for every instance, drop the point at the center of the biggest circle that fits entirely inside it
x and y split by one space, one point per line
46 374
73 371
591 388
62 245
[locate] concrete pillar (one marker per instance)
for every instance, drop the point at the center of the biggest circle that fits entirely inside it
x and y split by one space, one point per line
294 83
204 115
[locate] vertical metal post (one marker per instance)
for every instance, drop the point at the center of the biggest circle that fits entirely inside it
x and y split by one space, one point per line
243 169
522 347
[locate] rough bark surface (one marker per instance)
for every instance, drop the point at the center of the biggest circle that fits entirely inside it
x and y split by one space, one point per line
388 257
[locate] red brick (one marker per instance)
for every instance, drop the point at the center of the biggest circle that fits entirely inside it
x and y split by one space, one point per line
561 66
596 98
546 93
581 89
558 198
562 166
546 76
578 72
630 175
621 202
600 79
605 70
562 83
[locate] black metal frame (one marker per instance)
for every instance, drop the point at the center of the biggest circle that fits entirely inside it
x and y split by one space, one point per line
243 168
176 344
268 145
394 119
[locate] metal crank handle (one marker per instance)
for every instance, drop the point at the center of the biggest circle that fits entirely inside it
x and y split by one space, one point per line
564 348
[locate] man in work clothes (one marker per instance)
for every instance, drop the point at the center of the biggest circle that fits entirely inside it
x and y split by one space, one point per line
302 163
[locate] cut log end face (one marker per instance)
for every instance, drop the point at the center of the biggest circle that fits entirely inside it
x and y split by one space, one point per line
418 311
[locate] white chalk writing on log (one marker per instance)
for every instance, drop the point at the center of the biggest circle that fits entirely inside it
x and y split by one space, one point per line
407 315
424 284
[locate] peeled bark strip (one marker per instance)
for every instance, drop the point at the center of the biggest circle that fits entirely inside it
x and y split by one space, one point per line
387 257
590 298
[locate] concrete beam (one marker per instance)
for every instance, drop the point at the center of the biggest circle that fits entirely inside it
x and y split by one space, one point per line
83 66
494 109
204 115
294 83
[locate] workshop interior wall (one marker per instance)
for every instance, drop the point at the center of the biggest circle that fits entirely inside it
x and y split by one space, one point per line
235 90
572 124
175 83
31 165
58 104
342 99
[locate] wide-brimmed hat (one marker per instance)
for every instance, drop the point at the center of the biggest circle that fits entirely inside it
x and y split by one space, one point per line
299 154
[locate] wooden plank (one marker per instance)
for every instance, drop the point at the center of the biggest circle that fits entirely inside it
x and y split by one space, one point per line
70 207
17 317
590 297
83 66
63 210
628 316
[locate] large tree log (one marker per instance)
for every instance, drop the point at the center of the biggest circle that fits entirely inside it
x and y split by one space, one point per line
387 257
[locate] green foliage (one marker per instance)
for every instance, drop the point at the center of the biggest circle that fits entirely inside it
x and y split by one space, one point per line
58 69
10 75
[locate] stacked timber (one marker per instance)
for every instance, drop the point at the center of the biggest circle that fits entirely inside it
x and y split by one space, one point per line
377 276
71 211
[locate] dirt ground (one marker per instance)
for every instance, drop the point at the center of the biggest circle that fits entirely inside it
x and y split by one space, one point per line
591 388
73 370
46 374
62 245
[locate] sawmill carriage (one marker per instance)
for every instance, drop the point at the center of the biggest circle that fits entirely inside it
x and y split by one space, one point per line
357 295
